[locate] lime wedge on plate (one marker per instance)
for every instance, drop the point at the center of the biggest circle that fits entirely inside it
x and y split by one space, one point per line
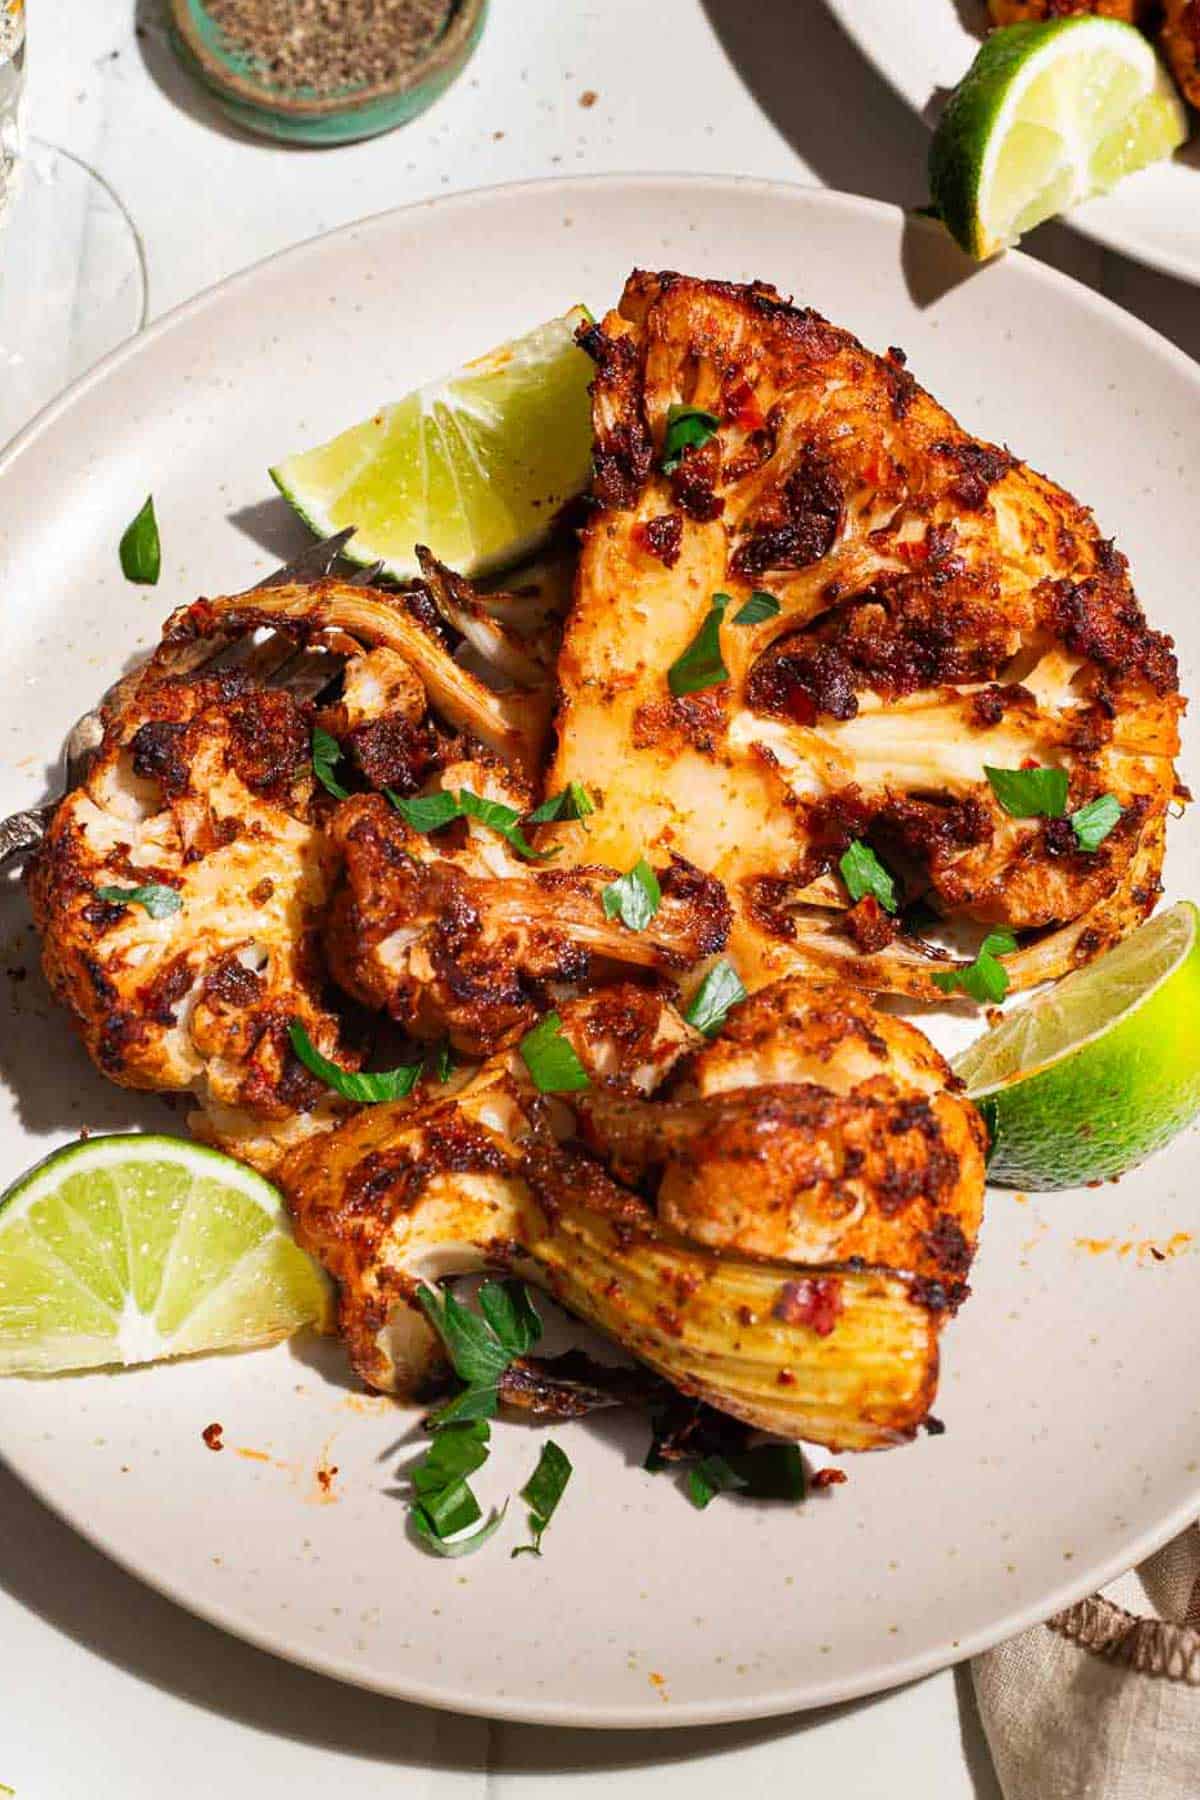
1048 114
476 466
128 1249
1090 1078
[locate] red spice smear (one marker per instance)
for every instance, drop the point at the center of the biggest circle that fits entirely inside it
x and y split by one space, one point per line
825 1478
816 1303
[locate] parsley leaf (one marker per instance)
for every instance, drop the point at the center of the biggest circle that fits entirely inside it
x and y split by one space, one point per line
542 1493
159 901
758 607
429 812
1093 822
688 427
461 1546
473 1403
140 550
480 1348
551 1059
985 979
710 1477
426 812
1030 793
701 664
444 1063
572 802
326 754
766 1472
387 1084
720 989
633 898
503 819
863 873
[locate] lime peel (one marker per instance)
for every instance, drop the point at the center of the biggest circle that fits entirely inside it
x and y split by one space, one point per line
1088 1080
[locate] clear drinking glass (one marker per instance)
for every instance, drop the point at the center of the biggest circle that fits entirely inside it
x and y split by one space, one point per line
72 269
12 81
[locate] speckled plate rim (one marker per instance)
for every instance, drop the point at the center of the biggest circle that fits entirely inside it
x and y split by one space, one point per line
1088 1575
919 57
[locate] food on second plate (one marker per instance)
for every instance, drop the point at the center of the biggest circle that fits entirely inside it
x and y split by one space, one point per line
778 1221
1047 115
123 1250
1177 23
1089 1079
478 465
846 657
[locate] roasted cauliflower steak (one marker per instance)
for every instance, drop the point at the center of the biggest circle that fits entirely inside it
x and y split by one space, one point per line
931 606
201 792
778 1222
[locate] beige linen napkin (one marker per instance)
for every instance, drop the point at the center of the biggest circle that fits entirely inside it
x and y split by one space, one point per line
1103 1701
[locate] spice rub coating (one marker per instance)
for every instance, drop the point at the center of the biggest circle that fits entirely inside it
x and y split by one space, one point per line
941 608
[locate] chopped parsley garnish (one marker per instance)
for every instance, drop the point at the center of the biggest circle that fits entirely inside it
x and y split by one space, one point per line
1093 822
159 901
688 427
443 1504
633 898
429 812
985 979
140 550
863 873
757 608
1030 793
572 802
388 1084
720 989
551 1059
444 1063
481 1345
701 665
326 755
542 1493
767 1472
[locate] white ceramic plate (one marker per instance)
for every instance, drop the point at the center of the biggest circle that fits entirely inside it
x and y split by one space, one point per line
1072 1439
923 49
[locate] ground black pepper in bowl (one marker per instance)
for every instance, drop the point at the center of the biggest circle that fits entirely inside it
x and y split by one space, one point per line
330 46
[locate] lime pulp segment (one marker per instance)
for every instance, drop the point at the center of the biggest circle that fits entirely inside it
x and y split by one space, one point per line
477 466
126 1249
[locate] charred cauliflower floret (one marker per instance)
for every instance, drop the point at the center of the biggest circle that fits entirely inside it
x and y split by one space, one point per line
201 794
928 607
1180 40
1019 12
510 720
806 1300
456 933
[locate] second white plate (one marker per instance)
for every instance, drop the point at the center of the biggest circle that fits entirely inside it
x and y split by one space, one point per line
920 50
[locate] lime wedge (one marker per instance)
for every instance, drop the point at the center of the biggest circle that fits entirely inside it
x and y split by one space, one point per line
1048 114
477 466
129 1249
1089 1079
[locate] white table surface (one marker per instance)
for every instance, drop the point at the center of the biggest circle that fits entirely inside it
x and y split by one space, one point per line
106 1689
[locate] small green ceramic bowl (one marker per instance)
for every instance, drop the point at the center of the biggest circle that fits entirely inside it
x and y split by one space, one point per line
248 96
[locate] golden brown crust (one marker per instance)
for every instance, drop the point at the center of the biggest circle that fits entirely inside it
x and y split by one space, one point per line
1180 39
941 607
